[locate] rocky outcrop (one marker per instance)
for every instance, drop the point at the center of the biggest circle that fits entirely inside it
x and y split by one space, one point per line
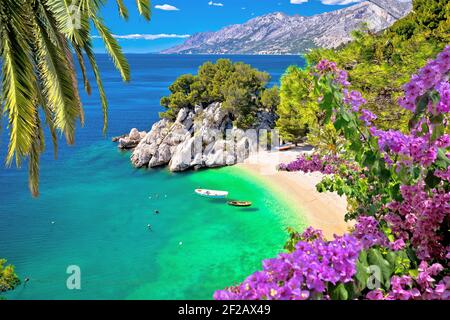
278 33
131 140
199 137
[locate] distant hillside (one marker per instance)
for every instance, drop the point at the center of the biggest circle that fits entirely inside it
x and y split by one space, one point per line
278 33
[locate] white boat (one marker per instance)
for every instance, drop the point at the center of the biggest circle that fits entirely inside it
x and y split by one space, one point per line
211 193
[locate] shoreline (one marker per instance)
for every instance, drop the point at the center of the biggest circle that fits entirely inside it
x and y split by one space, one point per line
324 211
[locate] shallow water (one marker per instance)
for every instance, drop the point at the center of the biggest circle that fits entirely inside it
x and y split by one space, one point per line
101 206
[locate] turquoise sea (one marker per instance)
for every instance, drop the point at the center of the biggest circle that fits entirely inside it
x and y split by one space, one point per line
101 206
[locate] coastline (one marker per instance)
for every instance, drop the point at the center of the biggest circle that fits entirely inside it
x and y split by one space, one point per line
324 211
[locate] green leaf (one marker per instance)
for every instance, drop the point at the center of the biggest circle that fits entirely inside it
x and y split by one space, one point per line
413 273
113 49
369 159
443 162
340 123
144 8
123 11
394 191
431 180
362 274
326 103
339 293
374 257
422 104
437 119
346 116
399 260
438 131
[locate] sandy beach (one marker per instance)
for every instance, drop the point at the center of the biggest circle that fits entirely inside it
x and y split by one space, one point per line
323 211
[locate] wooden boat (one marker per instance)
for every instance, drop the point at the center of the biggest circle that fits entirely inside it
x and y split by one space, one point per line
240 203
217 194
285 147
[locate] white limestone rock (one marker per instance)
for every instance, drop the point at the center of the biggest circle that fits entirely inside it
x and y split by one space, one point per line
197 139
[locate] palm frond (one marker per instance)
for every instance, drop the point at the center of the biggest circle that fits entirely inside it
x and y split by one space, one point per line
113 49
17 82
38 70
144 8
98 79
73 76
57 83
37 147
49 120
48 115
81 62
123 11
72 19
50 26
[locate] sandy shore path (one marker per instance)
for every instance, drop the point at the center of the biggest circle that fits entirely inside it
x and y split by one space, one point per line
323 211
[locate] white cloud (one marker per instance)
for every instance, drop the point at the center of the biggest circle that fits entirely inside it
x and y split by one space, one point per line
138 36
166 7
298 1
217 4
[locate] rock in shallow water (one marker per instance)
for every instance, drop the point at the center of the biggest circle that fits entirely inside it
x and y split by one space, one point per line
131 140
199 137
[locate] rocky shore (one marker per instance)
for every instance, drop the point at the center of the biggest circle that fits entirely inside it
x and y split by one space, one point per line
198 138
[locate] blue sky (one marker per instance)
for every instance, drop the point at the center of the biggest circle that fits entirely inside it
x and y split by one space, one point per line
172 20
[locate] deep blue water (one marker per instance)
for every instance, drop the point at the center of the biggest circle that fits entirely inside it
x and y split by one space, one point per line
101 205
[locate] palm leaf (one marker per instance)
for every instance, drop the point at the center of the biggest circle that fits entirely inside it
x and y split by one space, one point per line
123 11
144 8
37 148
113 49
73 76
49 117
57 83
101 89
87 85
72 19
37 70
17 81
49 120
48 30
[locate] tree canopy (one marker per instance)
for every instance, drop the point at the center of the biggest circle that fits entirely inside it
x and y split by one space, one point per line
298 104
239 87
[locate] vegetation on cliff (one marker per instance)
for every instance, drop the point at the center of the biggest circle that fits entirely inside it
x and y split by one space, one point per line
377 65
8 277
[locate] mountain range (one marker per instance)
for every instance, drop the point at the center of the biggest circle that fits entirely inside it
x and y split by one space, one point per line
278 33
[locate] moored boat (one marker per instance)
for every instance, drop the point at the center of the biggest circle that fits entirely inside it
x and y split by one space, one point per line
240 203
285 147
211 193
